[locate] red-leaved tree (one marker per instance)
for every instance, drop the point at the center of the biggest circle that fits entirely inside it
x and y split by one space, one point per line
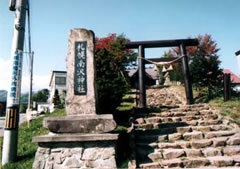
112 81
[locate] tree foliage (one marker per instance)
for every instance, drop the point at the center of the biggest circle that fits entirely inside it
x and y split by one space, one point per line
112 82
24 97
56 99
41 96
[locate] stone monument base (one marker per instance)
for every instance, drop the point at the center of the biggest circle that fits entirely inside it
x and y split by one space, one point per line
80 124
78 151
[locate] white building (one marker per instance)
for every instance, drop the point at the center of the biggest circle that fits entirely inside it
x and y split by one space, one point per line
42 107
57 82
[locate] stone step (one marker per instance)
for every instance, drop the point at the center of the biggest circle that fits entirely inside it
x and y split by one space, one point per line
224 161
191 108
209 162
172 113
151 138
160 125
213 134
152 120
150 165
176 112
200 148
161 134
142 152
167 154
203 143
196 105
147 126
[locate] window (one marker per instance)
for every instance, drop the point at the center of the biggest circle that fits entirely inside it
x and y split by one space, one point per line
60 80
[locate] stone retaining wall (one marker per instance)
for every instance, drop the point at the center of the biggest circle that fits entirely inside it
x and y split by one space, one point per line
76 155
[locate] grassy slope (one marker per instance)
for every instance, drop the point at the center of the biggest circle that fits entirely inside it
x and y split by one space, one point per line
27 149
126 107
230 108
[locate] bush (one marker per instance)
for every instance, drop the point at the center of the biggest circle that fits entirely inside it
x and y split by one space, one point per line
57 101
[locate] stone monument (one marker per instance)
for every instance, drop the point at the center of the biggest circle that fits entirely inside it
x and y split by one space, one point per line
80 139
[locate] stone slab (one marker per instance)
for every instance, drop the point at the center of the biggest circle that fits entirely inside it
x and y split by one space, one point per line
80 124
221 161
196 163
78 100
173 153
74 138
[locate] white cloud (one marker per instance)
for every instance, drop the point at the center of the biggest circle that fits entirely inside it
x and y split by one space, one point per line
39 81
5 74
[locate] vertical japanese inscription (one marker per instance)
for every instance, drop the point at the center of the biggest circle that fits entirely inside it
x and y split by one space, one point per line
80 73
16 78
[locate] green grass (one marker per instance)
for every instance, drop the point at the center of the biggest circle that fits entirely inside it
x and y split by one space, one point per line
27 149
230 108
120 129
123 111
127 104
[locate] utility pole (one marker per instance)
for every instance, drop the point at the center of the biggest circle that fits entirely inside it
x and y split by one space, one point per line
29 109
10 139
31 75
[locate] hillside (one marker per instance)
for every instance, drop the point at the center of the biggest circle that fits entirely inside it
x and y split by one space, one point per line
3 95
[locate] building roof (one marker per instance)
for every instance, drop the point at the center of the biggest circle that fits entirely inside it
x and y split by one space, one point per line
56 71
53 72
3 95
153 73
237 53
234 77
131 72
150 72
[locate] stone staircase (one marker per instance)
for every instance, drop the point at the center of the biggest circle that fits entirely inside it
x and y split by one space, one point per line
189 136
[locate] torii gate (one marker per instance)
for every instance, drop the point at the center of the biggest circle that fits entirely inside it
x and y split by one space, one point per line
181 43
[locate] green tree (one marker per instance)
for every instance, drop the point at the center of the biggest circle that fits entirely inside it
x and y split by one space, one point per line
23 102
112 81
57 100
41 96
177 74
24 98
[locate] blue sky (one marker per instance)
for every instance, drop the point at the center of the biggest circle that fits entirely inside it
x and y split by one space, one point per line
51 21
